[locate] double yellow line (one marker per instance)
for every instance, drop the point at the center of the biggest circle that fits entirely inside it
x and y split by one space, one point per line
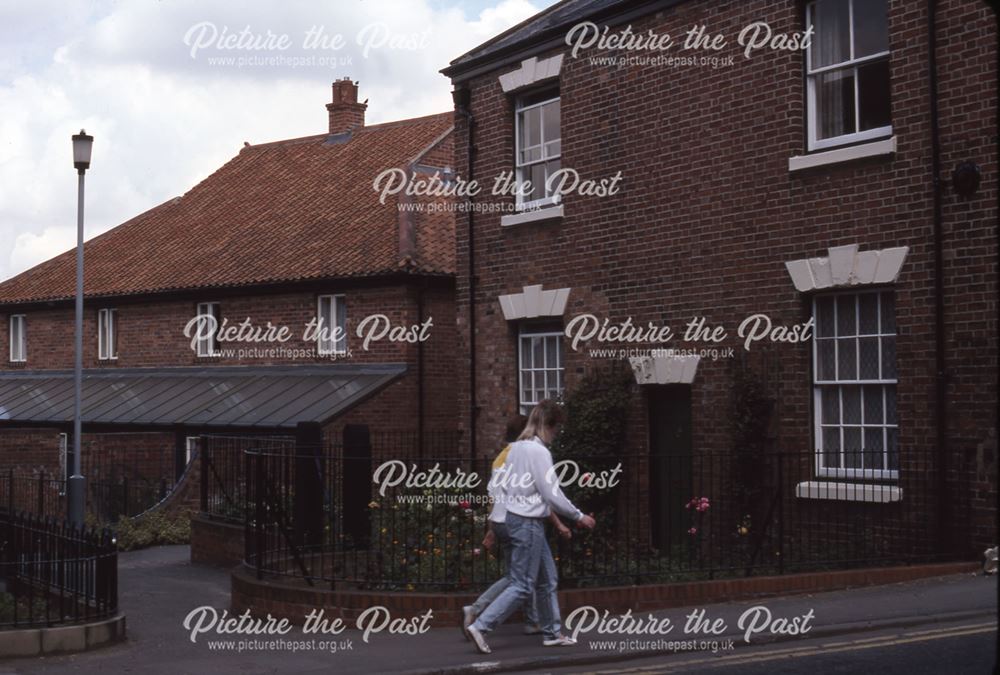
708 661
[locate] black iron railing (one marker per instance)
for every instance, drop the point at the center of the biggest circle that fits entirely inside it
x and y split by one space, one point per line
53 574
316 514
108 499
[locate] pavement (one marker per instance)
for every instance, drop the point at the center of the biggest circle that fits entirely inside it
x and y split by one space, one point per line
160 587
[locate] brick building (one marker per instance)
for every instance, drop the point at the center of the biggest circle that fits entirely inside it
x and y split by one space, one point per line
284 234
849 180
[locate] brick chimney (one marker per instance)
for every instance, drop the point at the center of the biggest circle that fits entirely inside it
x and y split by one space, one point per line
345 111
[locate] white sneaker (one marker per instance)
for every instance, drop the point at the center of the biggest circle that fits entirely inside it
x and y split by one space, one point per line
468 616
559 641
532 629
478 639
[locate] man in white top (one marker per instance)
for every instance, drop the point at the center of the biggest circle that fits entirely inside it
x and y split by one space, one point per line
531 492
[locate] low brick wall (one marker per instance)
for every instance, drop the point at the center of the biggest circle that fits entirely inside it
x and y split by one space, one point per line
216 543
61 639
293 601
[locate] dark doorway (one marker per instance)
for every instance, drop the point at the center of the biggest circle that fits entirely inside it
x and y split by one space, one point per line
670 461
356 483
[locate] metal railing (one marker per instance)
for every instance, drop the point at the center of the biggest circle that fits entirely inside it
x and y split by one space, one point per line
316 515
54 574
108 500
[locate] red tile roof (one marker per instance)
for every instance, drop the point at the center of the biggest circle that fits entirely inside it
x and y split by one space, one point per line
286 211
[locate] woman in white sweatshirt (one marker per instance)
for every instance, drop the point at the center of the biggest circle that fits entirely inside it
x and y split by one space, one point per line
530 491
497 533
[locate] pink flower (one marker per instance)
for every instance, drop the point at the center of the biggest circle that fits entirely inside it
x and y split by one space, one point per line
476 551
693 531
464 504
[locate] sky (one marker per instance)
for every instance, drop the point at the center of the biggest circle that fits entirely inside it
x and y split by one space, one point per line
170 90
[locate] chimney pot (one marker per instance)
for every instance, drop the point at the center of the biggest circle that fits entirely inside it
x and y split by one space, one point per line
344 110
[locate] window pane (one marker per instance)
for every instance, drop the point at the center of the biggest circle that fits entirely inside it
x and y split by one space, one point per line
868 313
550 120
846 318
890 405
873 458
341 307
16 338
831 21
847 359
113 334
531 155
537 352
888 358
869 358
537 179
531 127
851 402
551 360
525 353
852 447
824 317
835 103
325 325
102 334
888 313
873 404
550 168
553 149
831 447
871 27
826 359
830 401
525 385
873 96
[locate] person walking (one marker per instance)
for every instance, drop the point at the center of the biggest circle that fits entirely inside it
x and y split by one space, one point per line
530 491
497 534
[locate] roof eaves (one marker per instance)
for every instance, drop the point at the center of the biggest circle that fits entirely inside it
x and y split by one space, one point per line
465 67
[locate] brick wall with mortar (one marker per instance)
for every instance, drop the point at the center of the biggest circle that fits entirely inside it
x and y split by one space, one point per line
151 335
709 212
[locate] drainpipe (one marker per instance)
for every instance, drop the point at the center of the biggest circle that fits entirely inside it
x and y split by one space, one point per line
941 375
420 374
461 96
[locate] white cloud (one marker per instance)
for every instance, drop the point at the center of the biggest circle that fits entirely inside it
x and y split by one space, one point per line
163 120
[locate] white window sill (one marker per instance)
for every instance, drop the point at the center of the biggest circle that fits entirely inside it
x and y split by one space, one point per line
881 148
849 492
534 216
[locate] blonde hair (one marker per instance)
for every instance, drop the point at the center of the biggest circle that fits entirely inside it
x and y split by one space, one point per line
544 417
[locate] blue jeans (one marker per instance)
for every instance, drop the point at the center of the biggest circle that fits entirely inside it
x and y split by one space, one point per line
498 587
532 572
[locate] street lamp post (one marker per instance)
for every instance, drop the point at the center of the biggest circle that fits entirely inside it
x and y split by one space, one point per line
75 490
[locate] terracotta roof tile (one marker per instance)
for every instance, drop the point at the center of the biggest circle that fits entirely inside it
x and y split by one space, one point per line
286 211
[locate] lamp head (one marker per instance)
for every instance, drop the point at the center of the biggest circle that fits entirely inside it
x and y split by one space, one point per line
82 145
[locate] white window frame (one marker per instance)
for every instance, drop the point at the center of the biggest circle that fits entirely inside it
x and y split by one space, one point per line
190 445
883 383
20 354
63 463
816 143
208 347
107 338
331 347
526 334
519 167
